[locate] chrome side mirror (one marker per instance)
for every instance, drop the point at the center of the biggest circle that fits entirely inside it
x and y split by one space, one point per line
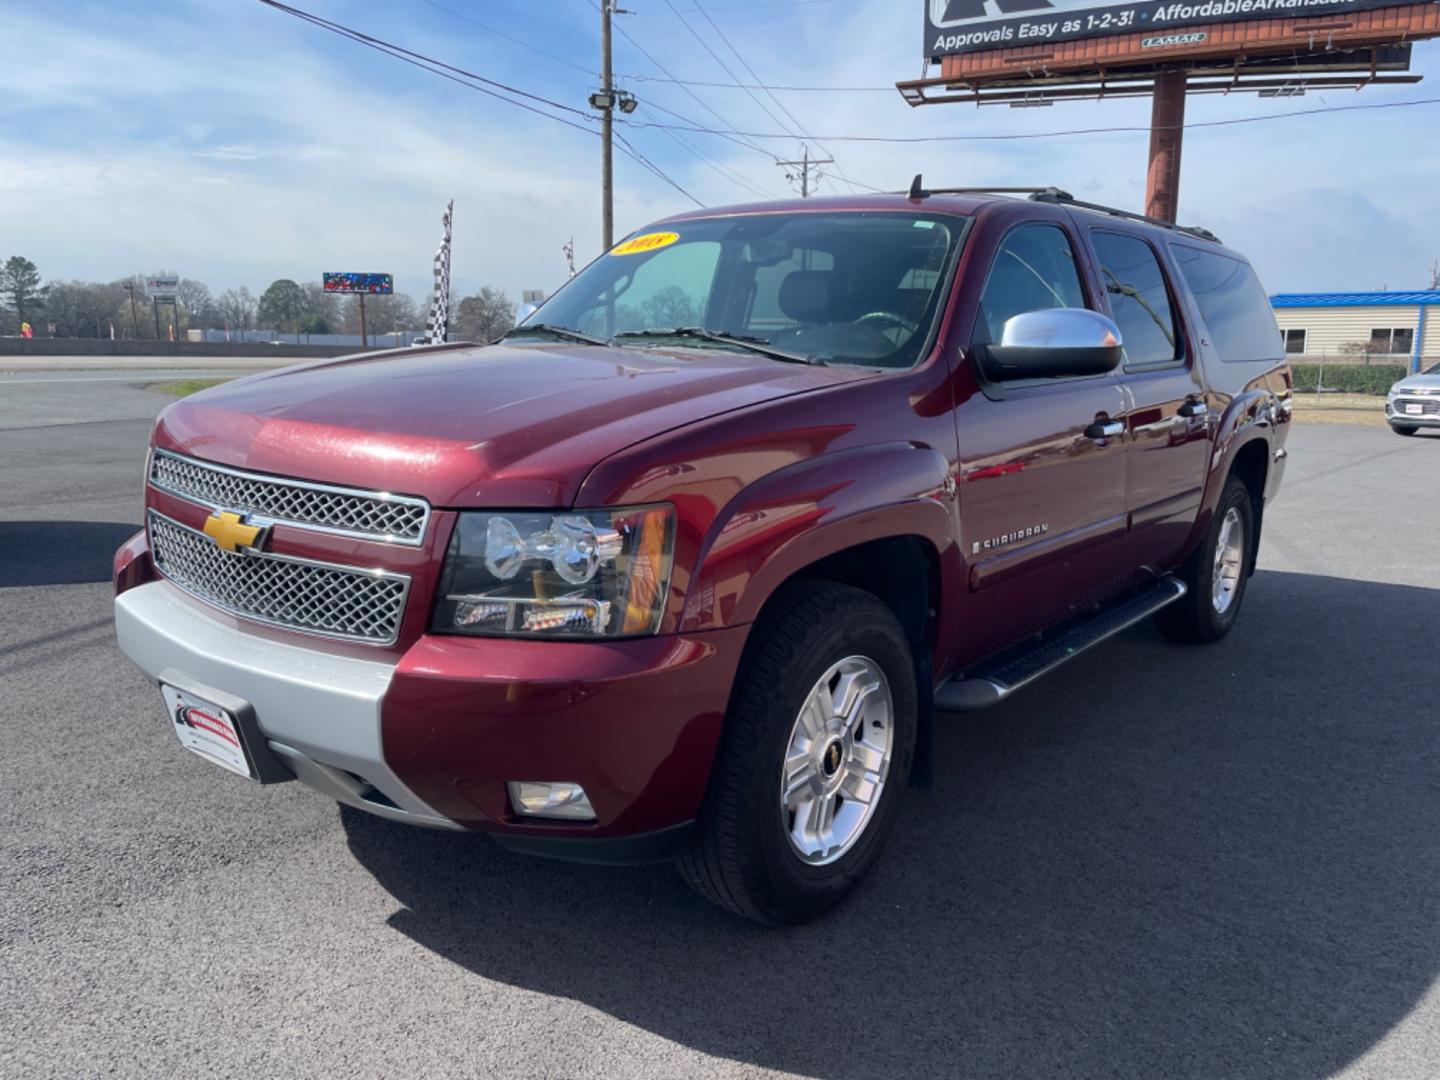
524 311
1054 343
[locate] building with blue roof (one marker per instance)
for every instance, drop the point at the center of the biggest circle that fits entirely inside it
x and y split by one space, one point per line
1388 326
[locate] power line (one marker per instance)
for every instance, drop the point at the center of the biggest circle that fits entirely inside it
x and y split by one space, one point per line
666 71
1012 136
381 45
509 37
769 93
460 76
728 173
723 66
647 163
768 86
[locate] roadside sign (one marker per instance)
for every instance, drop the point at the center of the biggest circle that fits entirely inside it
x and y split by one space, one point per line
962 26
363 284
162 289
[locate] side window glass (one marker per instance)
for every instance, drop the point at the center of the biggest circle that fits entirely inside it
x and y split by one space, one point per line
1138 298
1034 270
1233 304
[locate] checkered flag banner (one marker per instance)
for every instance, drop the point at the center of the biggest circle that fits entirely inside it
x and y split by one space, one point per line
437 325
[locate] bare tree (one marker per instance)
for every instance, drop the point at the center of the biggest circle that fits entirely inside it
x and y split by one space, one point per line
485 316
237 308
383 314
197 306
1367 349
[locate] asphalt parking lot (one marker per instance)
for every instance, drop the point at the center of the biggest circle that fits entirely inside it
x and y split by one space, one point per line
1215 862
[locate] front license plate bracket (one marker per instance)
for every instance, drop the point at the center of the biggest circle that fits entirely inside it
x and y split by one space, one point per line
265 766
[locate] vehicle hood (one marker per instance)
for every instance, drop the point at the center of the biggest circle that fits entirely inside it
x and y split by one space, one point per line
498 425
1416 382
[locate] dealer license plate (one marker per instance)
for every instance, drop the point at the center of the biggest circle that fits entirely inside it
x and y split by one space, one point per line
208 730
1414 409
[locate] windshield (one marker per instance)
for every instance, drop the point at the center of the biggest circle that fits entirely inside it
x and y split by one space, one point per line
1433 369
844 288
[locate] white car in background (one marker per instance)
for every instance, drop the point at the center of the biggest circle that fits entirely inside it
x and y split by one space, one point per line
1414 402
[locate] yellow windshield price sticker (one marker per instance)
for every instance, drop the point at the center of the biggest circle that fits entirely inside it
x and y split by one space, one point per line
638 245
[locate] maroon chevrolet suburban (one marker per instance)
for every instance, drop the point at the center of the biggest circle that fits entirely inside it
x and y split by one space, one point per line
682 567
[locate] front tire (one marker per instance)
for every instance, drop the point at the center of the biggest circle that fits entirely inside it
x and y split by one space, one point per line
818 744
1216 574
1404 429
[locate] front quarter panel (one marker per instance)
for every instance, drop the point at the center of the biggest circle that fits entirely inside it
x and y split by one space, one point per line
762 493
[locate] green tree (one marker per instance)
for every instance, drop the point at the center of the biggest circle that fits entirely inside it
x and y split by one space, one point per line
484 316
83 309
281 306
20 287
321 310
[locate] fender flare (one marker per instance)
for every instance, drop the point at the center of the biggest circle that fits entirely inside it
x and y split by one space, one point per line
794 517
1249 418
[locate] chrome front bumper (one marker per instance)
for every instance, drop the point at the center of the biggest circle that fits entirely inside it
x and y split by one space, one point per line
319 712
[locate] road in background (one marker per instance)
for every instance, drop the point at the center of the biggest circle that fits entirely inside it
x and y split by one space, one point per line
20 364
1158 862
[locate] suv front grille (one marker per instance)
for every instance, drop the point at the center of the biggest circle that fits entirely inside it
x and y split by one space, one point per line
1427 408
297 594
369 515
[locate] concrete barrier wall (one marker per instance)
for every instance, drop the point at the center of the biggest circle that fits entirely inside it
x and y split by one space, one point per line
86 347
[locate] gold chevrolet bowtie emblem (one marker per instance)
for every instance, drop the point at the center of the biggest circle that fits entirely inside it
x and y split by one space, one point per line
230 532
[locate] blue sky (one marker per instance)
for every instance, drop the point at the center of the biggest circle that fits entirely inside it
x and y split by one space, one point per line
232 143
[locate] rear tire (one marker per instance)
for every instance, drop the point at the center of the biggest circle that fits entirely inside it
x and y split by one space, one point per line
824 709
1404 429
1216 573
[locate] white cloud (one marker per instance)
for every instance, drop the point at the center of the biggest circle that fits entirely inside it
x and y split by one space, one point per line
235 145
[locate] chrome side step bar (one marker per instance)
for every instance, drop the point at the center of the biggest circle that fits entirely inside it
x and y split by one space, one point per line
993 681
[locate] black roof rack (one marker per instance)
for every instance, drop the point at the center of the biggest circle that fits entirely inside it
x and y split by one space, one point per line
1052 194
918 190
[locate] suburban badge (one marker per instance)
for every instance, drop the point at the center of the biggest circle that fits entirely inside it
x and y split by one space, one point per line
1009 538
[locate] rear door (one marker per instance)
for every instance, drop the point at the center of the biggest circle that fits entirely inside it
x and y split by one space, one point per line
1167 411
1042 491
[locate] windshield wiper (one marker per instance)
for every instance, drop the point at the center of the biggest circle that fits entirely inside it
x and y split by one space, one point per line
742 341
554 331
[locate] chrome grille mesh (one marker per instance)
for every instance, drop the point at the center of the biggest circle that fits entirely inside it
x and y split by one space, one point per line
1427 408
317 506
318 598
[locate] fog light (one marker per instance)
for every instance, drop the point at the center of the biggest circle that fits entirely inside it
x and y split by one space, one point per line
553 800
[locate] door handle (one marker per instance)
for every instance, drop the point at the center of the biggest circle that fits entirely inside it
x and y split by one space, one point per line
1105 429
1194 410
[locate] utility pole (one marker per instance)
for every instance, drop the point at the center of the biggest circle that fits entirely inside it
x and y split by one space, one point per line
1435 273
805 164
607 132
134 315
605 101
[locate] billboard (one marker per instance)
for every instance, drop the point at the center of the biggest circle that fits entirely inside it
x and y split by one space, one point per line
162 289
953 27
350 282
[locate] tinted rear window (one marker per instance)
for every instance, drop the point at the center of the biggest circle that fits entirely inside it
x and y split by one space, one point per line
1232 303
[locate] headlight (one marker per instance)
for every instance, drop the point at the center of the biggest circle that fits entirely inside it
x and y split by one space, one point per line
581 573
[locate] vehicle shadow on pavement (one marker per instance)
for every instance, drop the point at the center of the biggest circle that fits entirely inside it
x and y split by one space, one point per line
1161 861
59 552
